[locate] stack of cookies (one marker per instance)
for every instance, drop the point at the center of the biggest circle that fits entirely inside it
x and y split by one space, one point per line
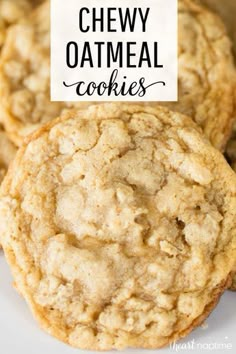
118 221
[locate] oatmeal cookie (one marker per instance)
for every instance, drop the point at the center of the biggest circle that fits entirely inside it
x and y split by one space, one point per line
119 226
25 76
227 10
11 11
206 72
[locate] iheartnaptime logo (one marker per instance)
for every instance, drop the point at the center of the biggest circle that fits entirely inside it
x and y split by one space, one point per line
104 52
223 345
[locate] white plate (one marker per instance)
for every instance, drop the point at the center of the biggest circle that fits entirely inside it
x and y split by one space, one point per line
19 333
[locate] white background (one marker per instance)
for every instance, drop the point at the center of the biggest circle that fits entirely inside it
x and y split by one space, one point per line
19 333
161 27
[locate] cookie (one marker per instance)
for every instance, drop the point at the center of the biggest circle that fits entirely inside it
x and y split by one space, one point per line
11 11
25 76
119 226
227 10
206 72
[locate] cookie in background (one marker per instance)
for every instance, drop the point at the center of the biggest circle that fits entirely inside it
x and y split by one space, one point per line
25 76
227 10
12 11
206 76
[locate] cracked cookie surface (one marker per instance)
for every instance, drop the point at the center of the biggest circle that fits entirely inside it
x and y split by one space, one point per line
119 226
226 9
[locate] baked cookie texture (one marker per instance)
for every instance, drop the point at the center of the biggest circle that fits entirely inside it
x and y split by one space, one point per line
226 9
119 226
7 153
25 76
11 11
206 74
